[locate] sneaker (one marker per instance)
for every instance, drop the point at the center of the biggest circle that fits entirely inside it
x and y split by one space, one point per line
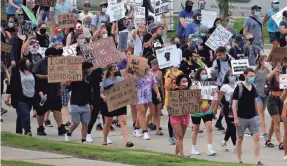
112 128
265 136
41 131
89 138
219 127
67 138
260 164
146 136
285 158
109 141
224 146
29 134
194 151
211 152
172 141
129 144
85 142
138 133
48 123
62 130
68 124
99 127
3 111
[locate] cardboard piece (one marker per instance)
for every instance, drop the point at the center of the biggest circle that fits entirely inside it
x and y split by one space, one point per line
238 66
123 40
121 94
47 3
101 52
66 20
70 50
137 65
26 29
220 37
183 102
161 6
117 11
283 81
209 89
61 69
139 15
208 18
277 54
168 56
278 16
30 15
6 47
124 74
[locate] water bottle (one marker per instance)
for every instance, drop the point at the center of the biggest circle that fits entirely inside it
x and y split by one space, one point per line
43 100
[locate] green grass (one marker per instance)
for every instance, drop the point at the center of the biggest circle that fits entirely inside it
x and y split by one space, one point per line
19 163
104 153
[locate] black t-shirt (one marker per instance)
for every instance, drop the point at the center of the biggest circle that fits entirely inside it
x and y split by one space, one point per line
157 41
238 54
187 69
246 103
150 58
34 58
43 40
80 93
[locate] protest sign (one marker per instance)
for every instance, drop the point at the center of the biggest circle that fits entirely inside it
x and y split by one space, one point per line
183 102
101 52
123 40
139 15
66 20
238 66
220 37
26 29
47 3
277 54
30 15
42 51
167 57
137 65
125 74
70 50
61 69
209 89
121 94
278 17
135 2
283 81
161 6
117 11
6 47
208 18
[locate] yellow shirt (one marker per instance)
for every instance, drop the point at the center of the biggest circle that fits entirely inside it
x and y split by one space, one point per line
166 82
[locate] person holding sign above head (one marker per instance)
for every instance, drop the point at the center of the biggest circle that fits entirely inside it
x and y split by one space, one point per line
138 35
86 17
101 17
121 113
30 49
152 39
284 118
283 30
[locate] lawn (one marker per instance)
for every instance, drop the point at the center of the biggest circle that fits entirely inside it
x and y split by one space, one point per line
19 163
104 153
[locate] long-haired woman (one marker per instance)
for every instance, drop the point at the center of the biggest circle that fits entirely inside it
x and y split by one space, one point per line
284 118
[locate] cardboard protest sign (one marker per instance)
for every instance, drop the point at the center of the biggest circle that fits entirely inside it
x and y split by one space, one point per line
283 81
220 37
161 6
278 17
26 29
167 57
209 89
183 102
42 51
208 18
101 52
30 15
277 54
124 73
117 11
139 15
47 3
135 2
121 94
6 47
66 20
61 69
137 65
238 66
123 40
70 50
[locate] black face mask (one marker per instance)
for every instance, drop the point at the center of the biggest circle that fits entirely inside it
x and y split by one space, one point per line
177 45
28 67
60 52
188 8
43 31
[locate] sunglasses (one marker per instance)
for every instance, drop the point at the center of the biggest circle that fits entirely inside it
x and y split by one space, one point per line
276 3
87 5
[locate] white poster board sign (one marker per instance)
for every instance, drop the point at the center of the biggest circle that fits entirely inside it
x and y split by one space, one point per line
117 12
42 51
70 50
139 15
278 16
161 6
208 17
209 89
220 37
135 2
283 81
238 66
168 56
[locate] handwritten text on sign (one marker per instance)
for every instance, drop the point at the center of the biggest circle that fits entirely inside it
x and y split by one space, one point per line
6 47
238 66
208 18
278 54
137 65
48 3
161 6
183 102
117 12
101 53
26 29
61 69
139 15
283 81
209 89
167 57
66 20
278 16
121 94
218 38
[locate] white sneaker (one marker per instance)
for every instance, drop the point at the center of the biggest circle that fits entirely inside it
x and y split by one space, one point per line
194 151
137 133
109 141
89 138
67 138
211 152
224 146
146 136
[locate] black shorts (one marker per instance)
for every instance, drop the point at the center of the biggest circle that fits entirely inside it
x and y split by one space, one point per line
205 118
52 104
154 97
283 42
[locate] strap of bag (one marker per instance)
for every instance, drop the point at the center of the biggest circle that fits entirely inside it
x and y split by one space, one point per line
256 21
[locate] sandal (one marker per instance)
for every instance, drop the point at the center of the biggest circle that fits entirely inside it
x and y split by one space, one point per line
129 145
160 133
104 144
285 158
281 147
269 144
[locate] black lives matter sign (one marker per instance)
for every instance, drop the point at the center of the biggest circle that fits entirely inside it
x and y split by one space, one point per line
162 6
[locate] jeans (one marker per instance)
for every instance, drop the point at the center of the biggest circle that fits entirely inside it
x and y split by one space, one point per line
23 117
46 15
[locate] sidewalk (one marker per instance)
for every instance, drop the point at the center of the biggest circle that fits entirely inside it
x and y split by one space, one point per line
8 153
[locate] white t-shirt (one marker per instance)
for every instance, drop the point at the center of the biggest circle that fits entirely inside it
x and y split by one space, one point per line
138 46
228 91
86 21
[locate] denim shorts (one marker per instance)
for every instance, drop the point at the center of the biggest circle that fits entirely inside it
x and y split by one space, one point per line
274 105
262 100
274 36
252 124
80 114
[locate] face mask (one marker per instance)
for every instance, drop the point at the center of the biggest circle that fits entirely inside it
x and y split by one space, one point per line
10 25
130 27
87 9
241 44
217 25
232 79
28 67
60 52
81 41
184 84
178 45
231 25
43 31
61 34
202 6
257 13
188 8
154 68
203 77
276 6
105 36
202 34
266 63
251 80
104 10
33 50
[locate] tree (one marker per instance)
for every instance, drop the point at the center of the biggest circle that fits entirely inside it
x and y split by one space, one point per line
223 8
3 9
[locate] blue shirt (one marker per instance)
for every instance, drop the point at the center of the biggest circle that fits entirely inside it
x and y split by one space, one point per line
187 17
60 8
283 23
191 28
272 26
11 9
107 82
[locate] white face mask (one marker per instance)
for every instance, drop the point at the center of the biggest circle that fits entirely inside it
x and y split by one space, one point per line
33 50
105 36
104 10
82 41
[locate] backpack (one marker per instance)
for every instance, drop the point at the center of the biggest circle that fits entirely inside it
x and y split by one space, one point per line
219 64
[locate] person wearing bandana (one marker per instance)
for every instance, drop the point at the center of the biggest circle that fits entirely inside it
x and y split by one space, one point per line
42 36
30 49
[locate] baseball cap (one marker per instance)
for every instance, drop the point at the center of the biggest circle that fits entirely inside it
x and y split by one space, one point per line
103 3
275 1
86 3
239 38
76 11
78 27
57 30
189 3
255 7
